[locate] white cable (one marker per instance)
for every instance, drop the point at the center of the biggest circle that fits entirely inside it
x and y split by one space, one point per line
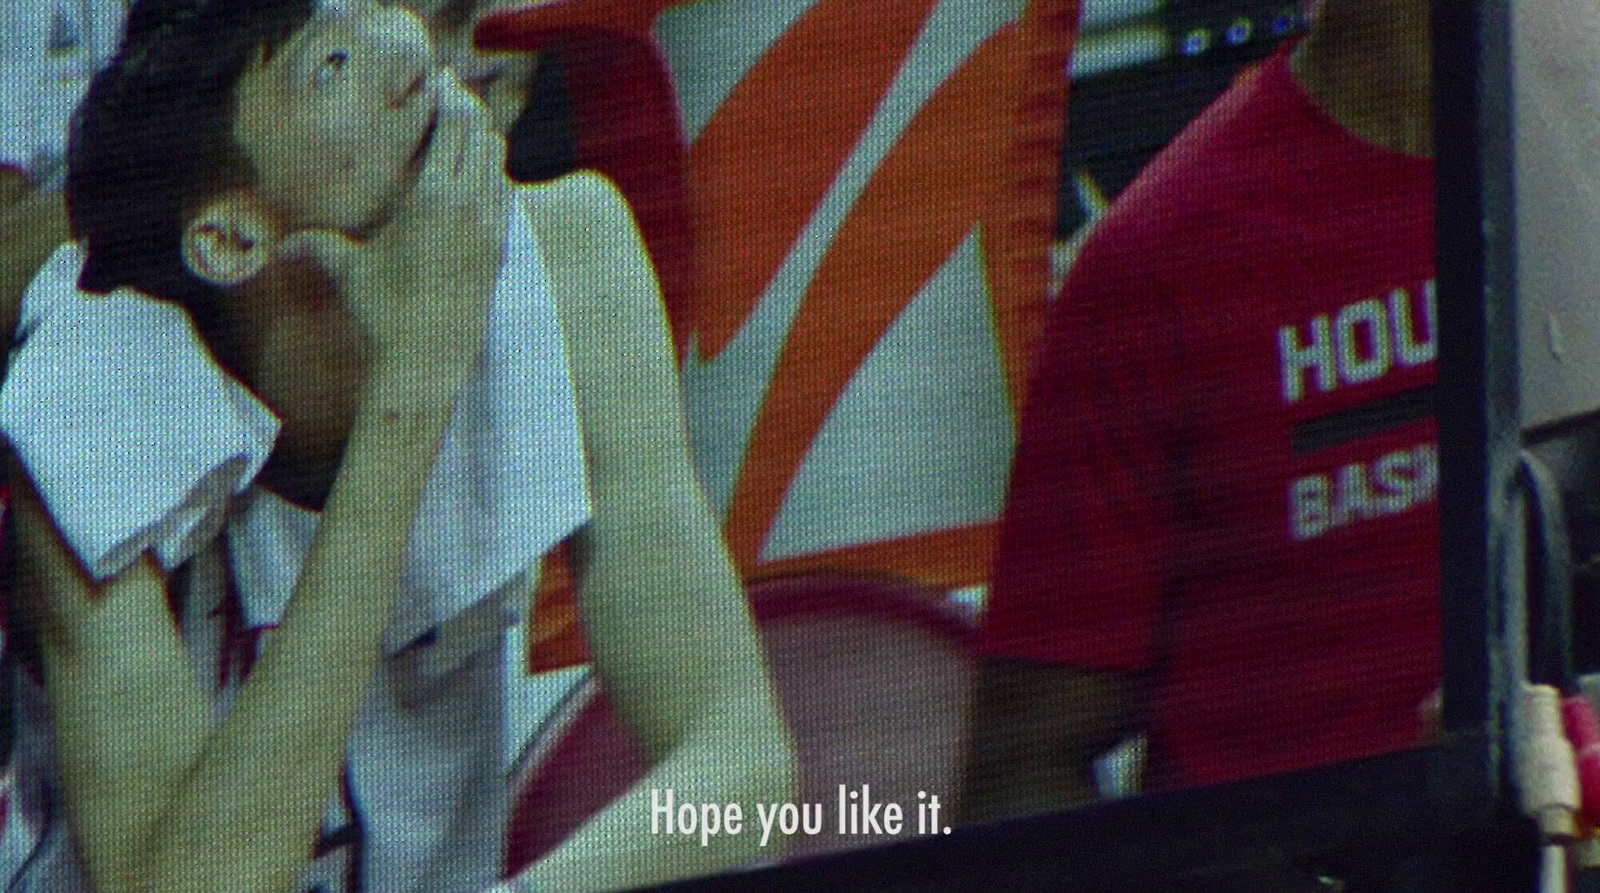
1543 762
1553 870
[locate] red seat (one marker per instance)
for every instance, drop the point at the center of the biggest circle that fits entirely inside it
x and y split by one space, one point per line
872 674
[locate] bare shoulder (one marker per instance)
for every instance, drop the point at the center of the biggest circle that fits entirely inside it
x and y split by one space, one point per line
582 212
573 191
599 268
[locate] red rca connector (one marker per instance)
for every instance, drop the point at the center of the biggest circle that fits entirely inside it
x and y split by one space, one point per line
1582 726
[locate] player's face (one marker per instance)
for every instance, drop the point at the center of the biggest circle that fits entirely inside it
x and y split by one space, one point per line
335 122
499 79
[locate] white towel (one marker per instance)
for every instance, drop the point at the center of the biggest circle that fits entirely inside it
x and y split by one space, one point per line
137 441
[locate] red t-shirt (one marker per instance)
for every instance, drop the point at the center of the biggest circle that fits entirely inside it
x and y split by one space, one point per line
1227 476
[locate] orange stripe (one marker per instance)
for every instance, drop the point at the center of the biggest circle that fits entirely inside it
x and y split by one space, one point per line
770 152
555 637
930 190
1021 224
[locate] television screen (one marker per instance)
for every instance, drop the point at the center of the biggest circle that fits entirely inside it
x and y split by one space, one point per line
588 444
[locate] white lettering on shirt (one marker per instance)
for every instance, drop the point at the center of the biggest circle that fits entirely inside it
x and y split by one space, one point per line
1361 342
1358 492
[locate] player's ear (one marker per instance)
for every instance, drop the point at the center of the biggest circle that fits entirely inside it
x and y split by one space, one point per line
229 240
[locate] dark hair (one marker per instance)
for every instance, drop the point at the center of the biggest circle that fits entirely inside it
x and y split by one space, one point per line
154 137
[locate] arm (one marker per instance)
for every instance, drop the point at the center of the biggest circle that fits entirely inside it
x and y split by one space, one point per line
159 799
1089 538
1034 732
662 604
